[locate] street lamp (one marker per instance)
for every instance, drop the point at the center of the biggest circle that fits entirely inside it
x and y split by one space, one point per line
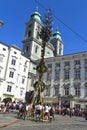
1 23
70 100
59 100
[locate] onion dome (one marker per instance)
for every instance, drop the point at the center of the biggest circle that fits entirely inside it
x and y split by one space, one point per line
36 15
57 35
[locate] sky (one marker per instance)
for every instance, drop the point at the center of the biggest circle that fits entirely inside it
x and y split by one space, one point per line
69 17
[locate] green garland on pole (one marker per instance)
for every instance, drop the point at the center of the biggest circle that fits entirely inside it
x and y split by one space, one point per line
45 35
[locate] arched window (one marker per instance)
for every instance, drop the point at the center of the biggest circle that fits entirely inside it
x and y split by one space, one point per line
29 33
36 49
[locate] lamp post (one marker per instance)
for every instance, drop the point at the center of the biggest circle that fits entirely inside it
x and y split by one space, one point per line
1 23
70 100
45 35
59 100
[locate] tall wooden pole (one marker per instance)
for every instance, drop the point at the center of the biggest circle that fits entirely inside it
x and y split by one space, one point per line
45 35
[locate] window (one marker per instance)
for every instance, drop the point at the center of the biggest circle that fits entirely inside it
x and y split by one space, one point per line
86 74
13 62
86 89
57 64
23 80
77 90
9 88
60 48
60 51
1 58
77 73
47 91
37 32
48 76
24 69
25 63
49 65
4 49
36 49
49 69
56 90
27 48
85 61
66 90
34 68
11 74
77 106
30 25
67 63
77 62
37 35
57 67
57 75
21 92
48 52
32 81
15 52
66 74
29 33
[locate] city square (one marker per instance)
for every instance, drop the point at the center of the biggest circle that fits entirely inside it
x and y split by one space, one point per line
60 123
43 78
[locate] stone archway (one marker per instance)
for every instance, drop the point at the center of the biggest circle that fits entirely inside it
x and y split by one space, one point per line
6 100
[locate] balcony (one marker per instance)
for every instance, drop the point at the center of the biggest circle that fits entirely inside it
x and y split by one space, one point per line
66 81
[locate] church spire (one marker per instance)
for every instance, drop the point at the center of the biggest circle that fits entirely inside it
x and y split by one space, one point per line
57 34
36 14
36 8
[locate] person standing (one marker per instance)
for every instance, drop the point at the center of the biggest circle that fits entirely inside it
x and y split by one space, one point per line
86 114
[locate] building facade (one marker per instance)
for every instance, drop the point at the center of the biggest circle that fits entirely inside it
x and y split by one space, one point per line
66 80
14 67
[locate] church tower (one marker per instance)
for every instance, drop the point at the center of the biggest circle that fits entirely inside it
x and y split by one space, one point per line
32 41
56 41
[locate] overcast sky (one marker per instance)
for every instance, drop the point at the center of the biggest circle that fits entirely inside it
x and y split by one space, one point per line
69 16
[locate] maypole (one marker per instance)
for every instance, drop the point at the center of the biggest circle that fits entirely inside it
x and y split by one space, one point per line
45 35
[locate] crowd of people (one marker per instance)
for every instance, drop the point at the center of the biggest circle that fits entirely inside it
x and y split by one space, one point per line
42 112
79 112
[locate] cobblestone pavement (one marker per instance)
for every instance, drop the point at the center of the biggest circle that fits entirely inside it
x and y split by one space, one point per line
7 119
60 123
